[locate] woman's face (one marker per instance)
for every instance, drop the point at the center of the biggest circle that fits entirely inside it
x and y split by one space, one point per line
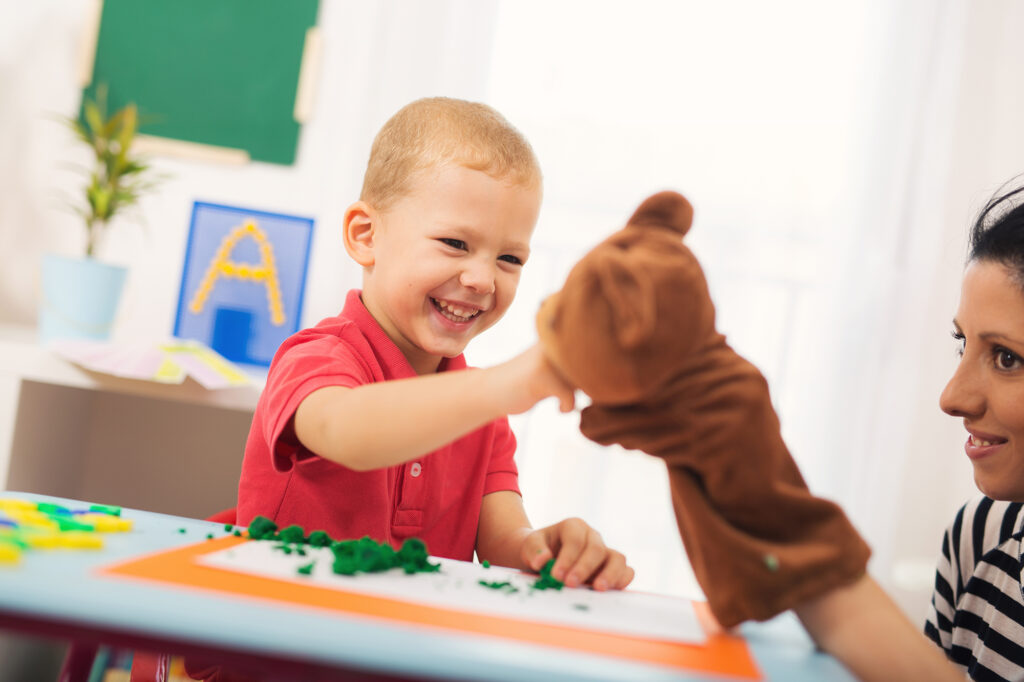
987 389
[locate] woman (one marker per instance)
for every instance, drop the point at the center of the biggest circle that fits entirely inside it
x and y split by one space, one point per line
977 613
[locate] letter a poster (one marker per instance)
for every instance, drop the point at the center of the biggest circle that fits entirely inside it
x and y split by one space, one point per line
243 280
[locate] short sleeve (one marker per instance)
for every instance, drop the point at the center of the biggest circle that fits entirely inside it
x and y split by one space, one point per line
949 578
939 625
300 370
502 473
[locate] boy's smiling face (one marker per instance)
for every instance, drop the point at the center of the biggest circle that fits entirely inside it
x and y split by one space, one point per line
987 389
442 263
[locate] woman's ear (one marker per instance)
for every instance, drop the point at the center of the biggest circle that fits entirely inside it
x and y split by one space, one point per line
360 224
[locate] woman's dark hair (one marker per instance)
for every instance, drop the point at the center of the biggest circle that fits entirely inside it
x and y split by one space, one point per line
998 232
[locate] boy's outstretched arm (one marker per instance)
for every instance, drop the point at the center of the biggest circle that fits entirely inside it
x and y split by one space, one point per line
861 626
391 422
505 538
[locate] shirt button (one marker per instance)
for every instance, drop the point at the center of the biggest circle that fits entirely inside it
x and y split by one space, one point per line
416 469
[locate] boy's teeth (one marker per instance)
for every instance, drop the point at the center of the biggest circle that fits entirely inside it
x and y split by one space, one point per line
454 310
451 311
979 442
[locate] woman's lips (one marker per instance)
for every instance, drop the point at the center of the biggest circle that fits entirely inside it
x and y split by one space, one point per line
976 450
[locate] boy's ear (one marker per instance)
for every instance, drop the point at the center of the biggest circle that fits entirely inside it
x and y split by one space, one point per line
360 222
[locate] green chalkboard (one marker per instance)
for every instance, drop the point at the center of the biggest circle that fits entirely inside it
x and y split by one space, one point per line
217 72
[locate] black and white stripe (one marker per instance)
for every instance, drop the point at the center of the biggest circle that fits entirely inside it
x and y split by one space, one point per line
977 612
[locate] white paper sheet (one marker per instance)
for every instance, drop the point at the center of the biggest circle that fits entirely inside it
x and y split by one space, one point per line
456 587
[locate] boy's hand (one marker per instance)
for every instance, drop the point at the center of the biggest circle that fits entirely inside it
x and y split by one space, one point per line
580 556
532 378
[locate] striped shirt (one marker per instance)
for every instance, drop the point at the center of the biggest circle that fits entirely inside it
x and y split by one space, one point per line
977 612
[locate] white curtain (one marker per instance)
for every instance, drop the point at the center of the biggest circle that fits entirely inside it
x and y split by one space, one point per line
834 154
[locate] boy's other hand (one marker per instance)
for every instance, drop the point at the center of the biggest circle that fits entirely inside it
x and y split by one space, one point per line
580 556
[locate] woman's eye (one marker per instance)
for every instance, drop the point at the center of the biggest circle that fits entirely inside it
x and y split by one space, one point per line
454 243
960 341
1006 359
515 260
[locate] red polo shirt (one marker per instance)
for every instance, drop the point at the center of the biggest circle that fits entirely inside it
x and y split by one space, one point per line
435 497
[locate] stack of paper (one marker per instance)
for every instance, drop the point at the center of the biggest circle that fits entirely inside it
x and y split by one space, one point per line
165 363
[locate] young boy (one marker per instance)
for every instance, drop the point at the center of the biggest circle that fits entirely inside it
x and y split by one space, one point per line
367 426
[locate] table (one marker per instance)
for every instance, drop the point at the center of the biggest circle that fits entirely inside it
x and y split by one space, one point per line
73 594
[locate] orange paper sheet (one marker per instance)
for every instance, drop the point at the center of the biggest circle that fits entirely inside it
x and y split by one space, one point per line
722 654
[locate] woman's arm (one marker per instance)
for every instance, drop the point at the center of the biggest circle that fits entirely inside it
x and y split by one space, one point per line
864 629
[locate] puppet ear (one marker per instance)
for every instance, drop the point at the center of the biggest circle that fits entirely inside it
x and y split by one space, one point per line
630 294
665 209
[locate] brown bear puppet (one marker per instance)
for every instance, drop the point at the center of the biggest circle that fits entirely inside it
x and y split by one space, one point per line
634 328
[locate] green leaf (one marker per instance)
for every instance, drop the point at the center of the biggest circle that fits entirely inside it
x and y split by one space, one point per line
125 198
118 179
102 202
93 118
81 131
130 115
110 167
132 167
116 166
101 98
90 189
113 124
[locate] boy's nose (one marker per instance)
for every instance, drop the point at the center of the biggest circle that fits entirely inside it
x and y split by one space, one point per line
478 276
963 395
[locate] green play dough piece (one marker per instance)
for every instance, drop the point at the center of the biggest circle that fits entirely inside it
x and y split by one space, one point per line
262 528
503 585
319 538
364 555
546 581
293 534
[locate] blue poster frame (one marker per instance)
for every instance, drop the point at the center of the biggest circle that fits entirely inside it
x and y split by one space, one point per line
228 300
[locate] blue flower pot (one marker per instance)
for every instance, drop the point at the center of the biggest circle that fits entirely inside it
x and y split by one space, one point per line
80 298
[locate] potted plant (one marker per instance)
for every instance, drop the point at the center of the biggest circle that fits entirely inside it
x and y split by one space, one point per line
81 295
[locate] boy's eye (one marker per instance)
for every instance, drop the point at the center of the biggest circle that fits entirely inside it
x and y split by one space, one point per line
515 260
1006 359
454 243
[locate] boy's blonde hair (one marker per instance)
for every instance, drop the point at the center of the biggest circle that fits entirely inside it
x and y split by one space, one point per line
436 130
